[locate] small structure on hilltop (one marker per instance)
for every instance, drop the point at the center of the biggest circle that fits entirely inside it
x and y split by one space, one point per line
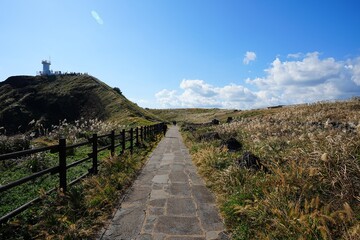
46 69
48 72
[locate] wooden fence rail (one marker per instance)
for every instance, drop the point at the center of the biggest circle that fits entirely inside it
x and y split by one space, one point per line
125 138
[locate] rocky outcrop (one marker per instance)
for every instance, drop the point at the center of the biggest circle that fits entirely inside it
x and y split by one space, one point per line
250 161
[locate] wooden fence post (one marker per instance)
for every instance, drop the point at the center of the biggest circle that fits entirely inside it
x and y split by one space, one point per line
137 136
112 147
164 127
94 154
131 140
142 133
123 141
62 164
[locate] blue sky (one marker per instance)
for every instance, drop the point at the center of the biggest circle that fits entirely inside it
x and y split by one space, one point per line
192 53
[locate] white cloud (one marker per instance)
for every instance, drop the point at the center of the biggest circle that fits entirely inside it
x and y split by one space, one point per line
97 17
198 93
355 69
167 98
310 70
236 93
198 87
295 55
249 56
308 79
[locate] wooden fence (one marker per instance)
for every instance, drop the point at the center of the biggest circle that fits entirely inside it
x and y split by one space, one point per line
127 140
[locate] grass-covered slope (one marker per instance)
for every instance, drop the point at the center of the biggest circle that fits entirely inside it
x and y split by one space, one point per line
296 174
53 98
193 115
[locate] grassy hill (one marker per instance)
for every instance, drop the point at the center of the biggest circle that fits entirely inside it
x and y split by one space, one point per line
48 99
203 115
294 175
193 115
26 102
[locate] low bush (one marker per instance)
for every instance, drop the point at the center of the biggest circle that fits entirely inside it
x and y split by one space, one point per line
37 162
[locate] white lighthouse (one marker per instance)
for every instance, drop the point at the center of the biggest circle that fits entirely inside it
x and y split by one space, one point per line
46 67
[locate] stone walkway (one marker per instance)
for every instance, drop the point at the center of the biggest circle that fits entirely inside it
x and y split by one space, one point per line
168 201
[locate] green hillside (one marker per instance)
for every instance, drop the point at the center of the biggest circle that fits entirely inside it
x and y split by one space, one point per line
194 115
48 99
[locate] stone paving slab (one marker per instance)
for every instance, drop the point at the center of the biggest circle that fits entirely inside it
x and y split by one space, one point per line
181 207
175 225
168 201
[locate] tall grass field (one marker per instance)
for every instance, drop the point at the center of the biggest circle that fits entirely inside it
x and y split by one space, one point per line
304 178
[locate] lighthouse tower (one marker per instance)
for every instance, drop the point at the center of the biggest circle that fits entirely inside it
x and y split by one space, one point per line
46 67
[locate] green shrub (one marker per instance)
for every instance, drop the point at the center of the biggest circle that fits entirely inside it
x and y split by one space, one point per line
116 89
37 162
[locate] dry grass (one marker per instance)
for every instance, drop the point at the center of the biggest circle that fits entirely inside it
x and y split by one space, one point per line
312 190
